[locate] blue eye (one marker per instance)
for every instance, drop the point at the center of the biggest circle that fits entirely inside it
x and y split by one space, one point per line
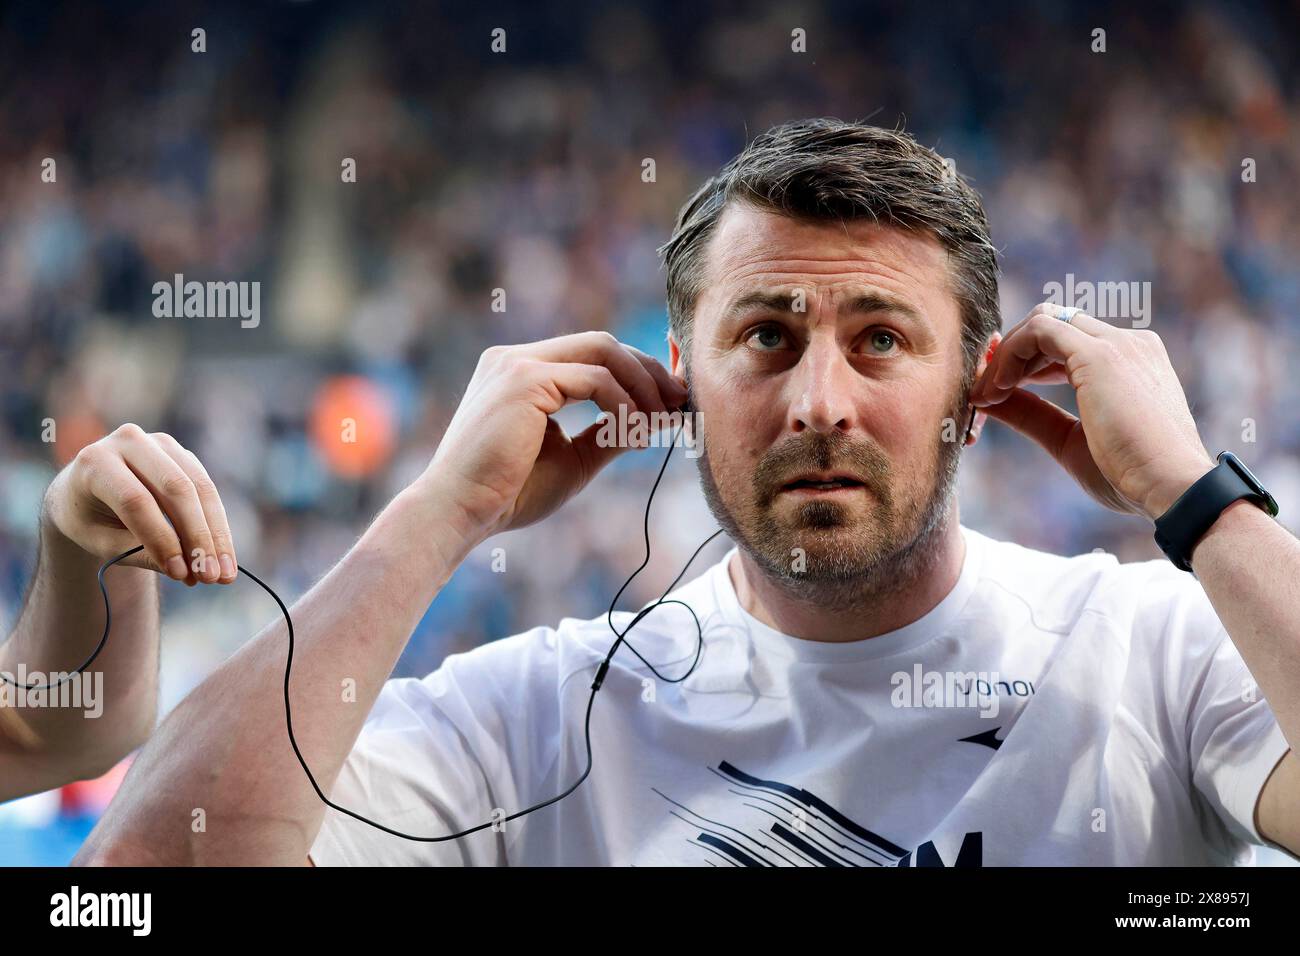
882 340
768 336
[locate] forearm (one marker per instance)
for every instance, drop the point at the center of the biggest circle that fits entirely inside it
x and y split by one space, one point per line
225 750
62 621
1249 565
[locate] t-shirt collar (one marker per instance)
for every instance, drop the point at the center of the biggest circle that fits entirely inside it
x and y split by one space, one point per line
931 625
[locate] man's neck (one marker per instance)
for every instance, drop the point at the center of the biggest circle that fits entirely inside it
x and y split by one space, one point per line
776 607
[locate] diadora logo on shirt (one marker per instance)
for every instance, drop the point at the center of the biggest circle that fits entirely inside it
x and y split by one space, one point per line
981 690
748 821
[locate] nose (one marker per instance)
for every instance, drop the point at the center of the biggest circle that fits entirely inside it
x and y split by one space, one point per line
824 385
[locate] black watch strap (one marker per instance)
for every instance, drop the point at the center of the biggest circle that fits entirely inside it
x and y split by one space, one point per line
1185 523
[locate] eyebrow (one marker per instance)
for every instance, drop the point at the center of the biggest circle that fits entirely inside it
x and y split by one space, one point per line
868 302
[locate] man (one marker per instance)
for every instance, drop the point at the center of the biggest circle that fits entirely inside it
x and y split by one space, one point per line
129 488
833 305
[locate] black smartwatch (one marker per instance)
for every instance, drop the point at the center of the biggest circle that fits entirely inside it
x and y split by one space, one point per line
1185 523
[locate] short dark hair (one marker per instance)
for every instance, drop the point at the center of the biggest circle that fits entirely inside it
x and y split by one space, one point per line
833 170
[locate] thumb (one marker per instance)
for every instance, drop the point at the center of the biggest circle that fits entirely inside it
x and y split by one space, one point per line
139 558
125 551
593 452
1034 416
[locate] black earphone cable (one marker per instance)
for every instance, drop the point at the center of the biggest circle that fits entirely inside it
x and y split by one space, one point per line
108 623
596 684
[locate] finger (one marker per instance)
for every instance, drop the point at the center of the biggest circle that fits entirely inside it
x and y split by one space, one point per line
601 348
1042 308
1078 319
672 390
595 454
1050 310
1046 371
577 382
109 480
1053 374
1039 335
178 498
1034 416
213 510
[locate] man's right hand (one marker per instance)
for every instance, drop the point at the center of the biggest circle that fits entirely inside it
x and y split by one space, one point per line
504 462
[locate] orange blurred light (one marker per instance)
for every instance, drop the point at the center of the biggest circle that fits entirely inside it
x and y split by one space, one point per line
353 426
75 431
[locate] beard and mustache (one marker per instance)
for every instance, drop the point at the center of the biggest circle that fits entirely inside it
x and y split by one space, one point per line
847 559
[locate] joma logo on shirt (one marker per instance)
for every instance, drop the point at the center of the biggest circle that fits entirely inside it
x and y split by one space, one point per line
976 689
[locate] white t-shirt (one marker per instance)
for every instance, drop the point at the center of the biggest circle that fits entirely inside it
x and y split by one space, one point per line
1048 711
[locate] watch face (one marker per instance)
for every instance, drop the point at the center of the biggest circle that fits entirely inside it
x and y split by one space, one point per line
1236 464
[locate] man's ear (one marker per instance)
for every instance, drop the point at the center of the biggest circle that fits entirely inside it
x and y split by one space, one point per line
980 417
677 366
994 341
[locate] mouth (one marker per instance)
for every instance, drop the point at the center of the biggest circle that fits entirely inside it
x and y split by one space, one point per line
822 484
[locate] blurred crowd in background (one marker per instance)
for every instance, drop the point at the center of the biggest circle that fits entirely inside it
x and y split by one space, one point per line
523 171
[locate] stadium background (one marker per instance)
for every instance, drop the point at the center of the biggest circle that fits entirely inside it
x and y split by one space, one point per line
523 171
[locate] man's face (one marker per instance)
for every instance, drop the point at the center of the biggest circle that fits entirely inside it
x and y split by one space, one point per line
864 386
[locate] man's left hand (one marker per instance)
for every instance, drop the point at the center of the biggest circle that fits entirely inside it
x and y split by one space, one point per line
1134 446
